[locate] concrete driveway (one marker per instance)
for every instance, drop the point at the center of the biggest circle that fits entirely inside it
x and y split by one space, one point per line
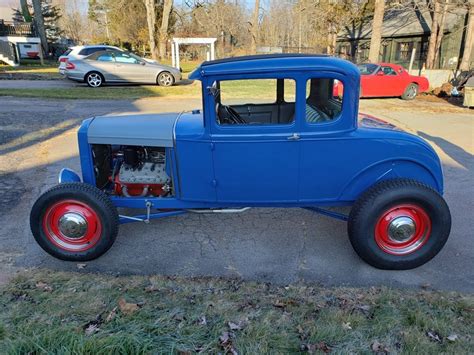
278 245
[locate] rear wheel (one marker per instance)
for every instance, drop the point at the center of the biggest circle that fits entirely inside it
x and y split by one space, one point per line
410 92
74 221
165 79
94 79
399 224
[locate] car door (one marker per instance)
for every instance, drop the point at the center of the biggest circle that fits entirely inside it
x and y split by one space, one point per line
104 63
326 127
130 69
254 162
391 82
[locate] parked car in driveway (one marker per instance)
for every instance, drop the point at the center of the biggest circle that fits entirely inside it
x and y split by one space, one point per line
111 66
79 52
390 80
300 146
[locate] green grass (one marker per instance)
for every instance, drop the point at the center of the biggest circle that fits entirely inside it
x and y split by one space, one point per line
105 93
233 92
54 312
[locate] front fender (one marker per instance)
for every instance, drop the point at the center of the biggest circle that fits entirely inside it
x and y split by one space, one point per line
390 169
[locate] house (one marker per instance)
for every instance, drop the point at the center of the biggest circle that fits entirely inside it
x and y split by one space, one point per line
404 30
17 41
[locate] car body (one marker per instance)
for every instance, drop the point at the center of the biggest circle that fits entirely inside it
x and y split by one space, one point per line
112 66
79 52
390 80
288 143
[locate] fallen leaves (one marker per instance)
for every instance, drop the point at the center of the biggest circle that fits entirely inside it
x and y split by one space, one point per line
110 317
346 326
93 326
127 308
452 338
43 286
379 348
434 336
226 343
312 348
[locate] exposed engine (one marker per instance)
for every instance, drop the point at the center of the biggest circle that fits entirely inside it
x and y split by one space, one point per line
133 171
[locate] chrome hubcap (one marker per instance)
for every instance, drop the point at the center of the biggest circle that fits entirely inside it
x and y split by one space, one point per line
94 80
166 79
73 225
401 229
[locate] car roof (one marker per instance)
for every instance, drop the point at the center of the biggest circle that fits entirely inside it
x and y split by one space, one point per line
273 63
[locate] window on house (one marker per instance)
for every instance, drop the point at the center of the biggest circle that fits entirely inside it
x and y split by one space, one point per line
404 51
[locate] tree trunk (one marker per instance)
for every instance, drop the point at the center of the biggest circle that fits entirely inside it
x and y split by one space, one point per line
430 58
151 21
374 53
439 37
39 23
165 19
468 42
254 27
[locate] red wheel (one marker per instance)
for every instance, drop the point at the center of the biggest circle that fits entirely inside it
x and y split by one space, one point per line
399 224
72 225
75 222
403 229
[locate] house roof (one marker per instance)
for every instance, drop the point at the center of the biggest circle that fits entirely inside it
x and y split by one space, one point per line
273 63
405 22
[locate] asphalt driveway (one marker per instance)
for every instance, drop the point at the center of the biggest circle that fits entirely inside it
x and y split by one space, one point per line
37 139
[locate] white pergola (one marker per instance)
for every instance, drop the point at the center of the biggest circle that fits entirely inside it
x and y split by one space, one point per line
208 42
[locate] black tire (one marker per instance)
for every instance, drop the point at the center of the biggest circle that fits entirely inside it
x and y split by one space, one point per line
76 199
410 92
165 79
370 212
94 79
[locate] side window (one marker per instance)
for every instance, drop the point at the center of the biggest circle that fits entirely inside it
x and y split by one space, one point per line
323 100
124 58
254 101
389 71
106 57
86 51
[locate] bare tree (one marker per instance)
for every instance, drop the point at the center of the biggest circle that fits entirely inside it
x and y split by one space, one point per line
376 31
39 23
469 41
151 21
440 34
167 5
253 28
430 57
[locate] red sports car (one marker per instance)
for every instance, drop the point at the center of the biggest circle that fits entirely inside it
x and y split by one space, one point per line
386 79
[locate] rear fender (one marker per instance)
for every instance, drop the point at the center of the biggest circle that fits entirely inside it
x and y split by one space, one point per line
386 170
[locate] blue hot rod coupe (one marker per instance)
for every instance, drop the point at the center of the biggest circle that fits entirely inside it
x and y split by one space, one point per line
273 132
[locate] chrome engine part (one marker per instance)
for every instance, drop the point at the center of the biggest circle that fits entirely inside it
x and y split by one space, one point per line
144 173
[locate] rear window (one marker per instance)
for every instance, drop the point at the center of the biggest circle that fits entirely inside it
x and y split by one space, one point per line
67 52
88 51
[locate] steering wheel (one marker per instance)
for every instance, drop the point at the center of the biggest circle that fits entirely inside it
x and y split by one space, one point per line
234 115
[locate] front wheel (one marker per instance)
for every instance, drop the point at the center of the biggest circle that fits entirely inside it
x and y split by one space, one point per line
165 79
399 224
74 222
410 92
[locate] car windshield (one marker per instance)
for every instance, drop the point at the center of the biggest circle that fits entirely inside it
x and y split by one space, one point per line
367 69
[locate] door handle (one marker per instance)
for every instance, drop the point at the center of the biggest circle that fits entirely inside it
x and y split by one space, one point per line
294 137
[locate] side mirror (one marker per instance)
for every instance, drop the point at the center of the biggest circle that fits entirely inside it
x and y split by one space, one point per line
380 73
142 63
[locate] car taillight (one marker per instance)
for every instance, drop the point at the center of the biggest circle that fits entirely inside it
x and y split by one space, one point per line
69 65
63 60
